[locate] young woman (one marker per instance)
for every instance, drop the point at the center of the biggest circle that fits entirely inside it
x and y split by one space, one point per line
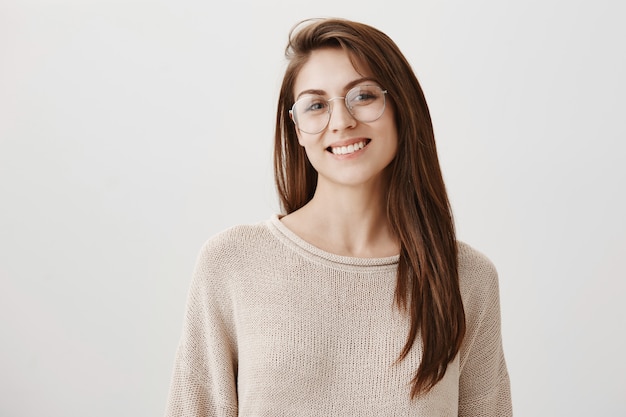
358 300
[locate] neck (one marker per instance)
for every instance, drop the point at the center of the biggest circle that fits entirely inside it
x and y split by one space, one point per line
349 221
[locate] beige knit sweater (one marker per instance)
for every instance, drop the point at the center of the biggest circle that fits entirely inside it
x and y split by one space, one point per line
276 327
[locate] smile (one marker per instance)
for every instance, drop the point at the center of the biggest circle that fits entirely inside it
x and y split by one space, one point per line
346 150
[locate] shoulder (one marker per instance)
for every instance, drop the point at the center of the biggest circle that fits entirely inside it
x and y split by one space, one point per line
231 253
478 276
474 262
236 238
237 244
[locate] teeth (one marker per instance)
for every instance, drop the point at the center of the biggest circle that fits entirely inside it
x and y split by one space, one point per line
344 150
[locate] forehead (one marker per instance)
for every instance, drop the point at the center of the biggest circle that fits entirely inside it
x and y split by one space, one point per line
329 70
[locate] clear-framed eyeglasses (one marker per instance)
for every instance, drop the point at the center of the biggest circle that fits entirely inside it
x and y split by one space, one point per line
311 113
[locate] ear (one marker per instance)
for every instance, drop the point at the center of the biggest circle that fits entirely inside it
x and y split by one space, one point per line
296 128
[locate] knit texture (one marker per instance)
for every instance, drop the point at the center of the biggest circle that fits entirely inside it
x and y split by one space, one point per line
277 327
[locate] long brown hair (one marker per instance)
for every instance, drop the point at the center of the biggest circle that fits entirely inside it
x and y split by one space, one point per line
418 209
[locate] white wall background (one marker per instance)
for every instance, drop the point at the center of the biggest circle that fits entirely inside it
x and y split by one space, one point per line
124 145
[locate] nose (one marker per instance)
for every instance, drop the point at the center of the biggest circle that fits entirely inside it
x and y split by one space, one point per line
340 116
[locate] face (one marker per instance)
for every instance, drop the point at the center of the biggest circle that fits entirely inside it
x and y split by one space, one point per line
347 151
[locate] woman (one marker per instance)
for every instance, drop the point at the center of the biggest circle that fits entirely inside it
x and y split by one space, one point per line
358 300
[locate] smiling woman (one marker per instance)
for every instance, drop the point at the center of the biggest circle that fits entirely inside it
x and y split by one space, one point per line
357 300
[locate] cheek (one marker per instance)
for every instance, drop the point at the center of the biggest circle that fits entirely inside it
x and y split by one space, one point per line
390 130
299 138
306 140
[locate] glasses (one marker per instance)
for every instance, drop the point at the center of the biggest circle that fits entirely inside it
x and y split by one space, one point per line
311 113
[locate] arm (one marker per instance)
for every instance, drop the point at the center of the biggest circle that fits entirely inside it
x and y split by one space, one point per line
205 370
484 389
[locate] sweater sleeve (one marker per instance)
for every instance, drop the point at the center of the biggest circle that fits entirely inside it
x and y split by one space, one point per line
204 376
484 389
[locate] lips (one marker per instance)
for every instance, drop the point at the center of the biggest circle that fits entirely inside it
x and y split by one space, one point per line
348 149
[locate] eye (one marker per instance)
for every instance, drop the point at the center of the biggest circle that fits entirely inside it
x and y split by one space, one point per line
312 104
316 106
363 95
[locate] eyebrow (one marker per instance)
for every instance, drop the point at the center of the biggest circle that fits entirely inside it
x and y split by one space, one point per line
346 87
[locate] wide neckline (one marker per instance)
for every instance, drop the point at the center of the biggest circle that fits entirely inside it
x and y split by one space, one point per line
313 253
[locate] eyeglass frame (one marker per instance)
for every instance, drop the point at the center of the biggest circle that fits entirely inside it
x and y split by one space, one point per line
330 108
